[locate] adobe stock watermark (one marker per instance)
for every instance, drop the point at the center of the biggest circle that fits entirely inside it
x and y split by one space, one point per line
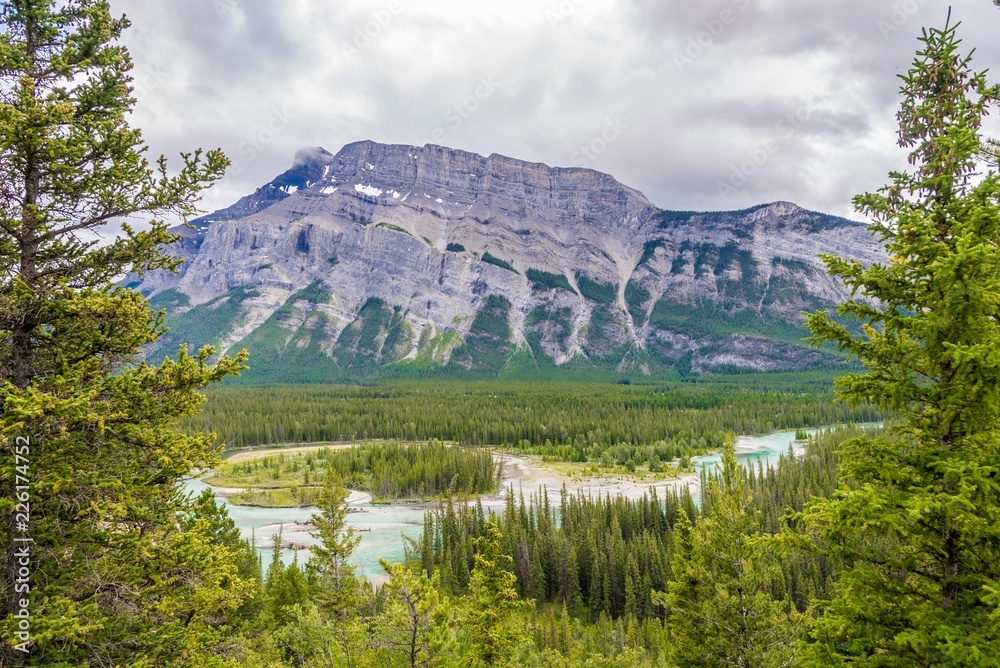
228 9
698 44
456 115
21 543
901 14
248 150
585 155
149 79
366 35
785 128
563 12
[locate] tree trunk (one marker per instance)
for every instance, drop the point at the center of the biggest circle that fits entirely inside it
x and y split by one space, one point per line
22 352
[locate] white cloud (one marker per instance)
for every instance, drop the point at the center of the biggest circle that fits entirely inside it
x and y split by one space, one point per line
214 72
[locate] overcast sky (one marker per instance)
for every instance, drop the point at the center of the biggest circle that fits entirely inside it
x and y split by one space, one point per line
714 104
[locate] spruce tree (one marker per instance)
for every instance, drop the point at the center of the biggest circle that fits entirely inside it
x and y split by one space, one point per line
339 591
413 628
916 522
493 604
721 608
123 570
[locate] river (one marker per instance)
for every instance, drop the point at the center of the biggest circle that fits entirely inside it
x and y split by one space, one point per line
382 528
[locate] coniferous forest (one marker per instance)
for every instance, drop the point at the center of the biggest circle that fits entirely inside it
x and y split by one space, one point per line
877 547
390 471
568 419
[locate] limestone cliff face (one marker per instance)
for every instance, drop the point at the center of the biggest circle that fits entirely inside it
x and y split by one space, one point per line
419 257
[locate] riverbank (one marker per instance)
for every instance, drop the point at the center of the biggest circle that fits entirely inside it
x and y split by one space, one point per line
386 529
392 471
527 473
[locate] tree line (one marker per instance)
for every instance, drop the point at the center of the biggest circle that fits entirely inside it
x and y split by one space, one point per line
882 551
608 555
568 421
388 470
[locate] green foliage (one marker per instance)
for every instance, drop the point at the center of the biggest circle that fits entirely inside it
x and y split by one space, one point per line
748 287
603 333
397 228
222 531
413 628
289 345
726 599
494 260
169 299
285 588
292 345
727 255
787 284
636 297
390 471
206 324
493 603
543 280
339 589
307 637
916 524
556 419
291 337
602 293
558 321
722 261
375 321
129 571
312 615
455 248
487 347
680 260
493 319
604 557
706 318
282 497
649 250
124 569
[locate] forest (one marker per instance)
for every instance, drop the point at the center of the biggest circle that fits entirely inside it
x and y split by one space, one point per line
606 556
390 471
583 579
879 547
573 421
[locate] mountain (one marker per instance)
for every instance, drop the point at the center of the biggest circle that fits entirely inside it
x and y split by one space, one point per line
402 260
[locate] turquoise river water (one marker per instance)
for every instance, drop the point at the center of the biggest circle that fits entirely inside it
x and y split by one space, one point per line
383 528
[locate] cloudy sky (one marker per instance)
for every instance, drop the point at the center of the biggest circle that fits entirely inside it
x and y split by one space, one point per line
714 104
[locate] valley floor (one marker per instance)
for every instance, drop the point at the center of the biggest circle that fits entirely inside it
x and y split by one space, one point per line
527 473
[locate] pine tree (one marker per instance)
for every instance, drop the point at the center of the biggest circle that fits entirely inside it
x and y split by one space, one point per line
116 576
916 522
413 628
287 588
493 604
223 532
720 605
339 591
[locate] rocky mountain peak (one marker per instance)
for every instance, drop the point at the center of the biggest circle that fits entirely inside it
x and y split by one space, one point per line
785 208
312 155
432 257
